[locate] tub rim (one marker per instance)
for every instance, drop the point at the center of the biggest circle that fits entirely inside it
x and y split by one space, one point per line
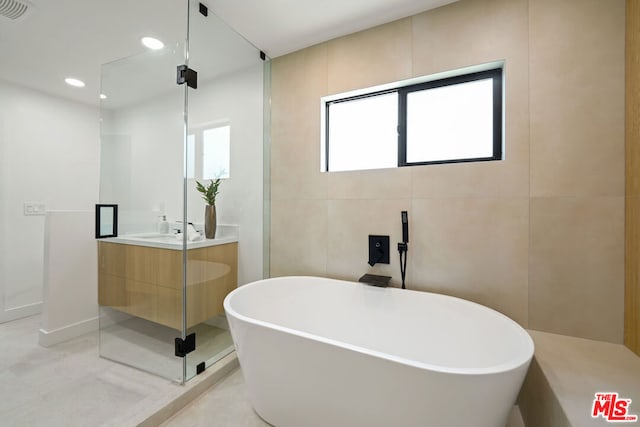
495 369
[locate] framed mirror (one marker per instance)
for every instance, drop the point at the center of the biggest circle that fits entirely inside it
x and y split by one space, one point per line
106 221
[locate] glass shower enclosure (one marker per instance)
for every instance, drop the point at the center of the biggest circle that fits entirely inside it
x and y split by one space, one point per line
191 111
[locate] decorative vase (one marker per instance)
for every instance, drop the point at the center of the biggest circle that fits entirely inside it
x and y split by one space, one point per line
210 221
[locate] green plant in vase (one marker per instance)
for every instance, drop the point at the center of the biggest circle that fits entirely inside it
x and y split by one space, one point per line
209 193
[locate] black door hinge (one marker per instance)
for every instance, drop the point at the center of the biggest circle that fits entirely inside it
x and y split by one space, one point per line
200 367
187 75
204 10
186 346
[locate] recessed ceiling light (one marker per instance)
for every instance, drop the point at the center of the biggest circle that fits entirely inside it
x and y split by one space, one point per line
152 43
74 82
103 96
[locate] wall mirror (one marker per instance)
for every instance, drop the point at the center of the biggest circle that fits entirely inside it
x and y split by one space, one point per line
106 221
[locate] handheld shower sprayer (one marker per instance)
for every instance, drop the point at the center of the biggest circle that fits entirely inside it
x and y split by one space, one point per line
403 247
405 227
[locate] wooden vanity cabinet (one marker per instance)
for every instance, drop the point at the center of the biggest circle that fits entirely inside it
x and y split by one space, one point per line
147 282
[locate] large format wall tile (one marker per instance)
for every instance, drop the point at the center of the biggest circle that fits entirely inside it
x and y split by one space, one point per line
493 30
468 33
298 237
577 98
350 224
473 248
371 57
299 80
379 184
576 267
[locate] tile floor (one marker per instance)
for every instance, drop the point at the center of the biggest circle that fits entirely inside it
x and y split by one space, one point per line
70 385
224 405
141 343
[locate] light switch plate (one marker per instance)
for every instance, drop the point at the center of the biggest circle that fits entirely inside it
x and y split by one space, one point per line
34 208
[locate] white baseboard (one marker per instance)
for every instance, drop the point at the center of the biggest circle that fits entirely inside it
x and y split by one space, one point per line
20 312
49 338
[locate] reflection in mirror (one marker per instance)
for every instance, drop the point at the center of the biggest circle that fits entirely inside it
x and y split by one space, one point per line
215 152
106 221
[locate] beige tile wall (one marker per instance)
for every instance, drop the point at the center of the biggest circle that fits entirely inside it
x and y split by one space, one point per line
371 57
298 81
576 269
576 66
538 403
577 98
491 232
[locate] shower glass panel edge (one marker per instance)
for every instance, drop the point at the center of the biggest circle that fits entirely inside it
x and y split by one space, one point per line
266 173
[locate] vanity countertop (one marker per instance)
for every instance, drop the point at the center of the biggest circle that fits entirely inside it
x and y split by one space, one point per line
170 241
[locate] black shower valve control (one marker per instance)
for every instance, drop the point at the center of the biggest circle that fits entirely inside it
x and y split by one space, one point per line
378 250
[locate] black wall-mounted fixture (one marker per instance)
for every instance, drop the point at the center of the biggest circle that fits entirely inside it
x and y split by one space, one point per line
403 247
405 226
378 250
375 280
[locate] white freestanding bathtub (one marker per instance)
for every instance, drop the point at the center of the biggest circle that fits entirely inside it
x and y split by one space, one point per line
323 352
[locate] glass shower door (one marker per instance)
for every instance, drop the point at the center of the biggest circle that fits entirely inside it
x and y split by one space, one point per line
141 271
225 135
161 294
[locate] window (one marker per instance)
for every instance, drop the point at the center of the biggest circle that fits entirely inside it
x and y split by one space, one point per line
364 125
445 120
215 152
208 152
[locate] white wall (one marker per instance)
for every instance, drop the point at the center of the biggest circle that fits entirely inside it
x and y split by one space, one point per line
141 169
48 154
237 98
145 141
70 306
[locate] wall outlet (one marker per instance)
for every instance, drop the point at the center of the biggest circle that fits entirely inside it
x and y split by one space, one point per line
34 208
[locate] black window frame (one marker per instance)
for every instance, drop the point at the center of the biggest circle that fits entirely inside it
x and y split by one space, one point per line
496 74
347 99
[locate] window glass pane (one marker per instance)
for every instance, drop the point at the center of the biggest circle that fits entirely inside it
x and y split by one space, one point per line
191 156
215 152
450 122
363 133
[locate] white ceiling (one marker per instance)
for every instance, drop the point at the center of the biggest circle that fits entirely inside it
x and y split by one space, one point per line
62 38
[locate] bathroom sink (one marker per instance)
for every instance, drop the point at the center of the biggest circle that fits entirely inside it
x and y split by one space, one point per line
175 241
156 237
